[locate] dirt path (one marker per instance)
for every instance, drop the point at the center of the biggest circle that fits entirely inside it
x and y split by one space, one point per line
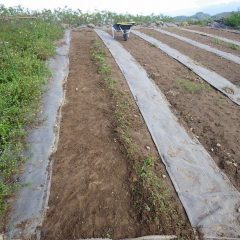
91 192
227 69
211 117
217 32
206 40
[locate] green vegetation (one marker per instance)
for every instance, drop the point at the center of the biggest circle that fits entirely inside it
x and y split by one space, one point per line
98 55
192 87
233 46
157 194
201 23
26 41
216 40
233 20
24 46
230 45
77 17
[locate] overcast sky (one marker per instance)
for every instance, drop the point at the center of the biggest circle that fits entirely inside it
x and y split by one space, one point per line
169 7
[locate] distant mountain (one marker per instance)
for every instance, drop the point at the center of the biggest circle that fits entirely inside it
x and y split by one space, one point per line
221 15
195 17
202 16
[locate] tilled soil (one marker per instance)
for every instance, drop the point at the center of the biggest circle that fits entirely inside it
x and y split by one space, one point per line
217 32
206 113
91 183
223 46
225 68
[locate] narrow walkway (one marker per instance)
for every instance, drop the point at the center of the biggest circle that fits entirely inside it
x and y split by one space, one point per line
205 47
214 79
213 36
210 200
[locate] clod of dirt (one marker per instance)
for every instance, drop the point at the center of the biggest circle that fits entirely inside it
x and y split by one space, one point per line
228 90
91 25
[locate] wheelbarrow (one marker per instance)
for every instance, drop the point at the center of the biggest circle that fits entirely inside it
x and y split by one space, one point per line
124 27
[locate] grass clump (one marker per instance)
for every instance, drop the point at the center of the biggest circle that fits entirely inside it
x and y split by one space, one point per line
233 46
216 41
24 47
157 195
230 45
98 55
191 87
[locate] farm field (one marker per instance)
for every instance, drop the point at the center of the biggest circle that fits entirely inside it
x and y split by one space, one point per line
198 106
130 141
213 42
218 32
204 58
104 151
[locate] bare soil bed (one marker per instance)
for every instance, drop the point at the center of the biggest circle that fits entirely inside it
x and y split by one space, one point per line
223 46
225 68
93 176
205 112
218 32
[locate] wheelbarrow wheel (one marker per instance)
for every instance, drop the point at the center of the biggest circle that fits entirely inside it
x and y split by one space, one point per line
125 36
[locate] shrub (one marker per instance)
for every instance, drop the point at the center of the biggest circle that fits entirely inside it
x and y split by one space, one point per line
233 20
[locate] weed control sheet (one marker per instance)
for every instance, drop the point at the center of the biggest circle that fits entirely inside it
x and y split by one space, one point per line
220 53
210 200
214 79
213 36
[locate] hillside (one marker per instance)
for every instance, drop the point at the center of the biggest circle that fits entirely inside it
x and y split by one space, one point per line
201 16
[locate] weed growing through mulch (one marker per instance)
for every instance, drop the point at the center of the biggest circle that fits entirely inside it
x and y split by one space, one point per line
191 86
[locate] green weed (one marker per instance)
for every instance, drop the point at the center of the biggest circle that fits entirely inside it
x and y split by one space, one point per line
216 41
24 47
192 87
233 46
153 184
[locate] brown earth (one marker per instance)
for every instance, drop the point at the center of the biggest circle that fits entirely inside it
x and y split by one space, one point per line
210 116
223 46
225 68
92 177
218 32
